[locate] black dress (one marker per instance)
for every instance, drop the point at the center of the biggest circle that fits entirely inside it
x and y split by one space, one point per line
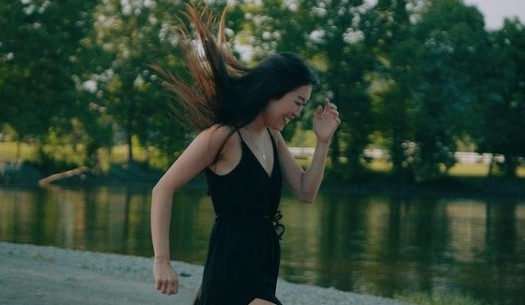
244 250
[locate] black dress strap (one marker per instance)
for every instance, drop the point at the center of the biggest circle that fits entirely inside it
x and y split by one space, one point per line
239 132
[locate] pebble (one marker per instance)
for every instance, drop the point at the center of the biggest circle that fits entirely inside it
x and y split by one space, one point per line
118 279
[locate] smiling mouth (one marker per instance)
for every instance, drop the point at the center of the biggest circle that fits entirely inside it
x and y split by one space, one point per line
287 120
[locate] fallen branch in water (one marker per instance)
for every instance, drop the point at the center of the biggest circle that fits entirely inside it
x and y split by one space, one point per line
67 174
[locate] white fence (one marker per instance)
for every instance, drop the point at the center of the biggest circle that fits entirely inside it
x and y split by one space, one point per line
380 154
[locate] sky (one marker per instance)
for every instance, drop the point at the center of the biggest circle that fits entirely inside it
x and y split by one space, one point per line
496 10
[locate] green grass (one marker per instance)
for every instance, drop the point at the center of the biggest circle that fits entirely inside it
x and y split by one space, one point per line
418 298
380 166
118 154
8 151
458 170
469 170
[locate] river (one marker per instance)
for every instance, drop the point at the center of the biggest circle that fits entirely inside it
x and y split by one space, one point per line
380 245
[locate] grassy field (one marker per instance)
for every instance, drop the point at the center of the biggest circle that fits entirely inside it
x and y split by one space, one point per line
458 170
9 151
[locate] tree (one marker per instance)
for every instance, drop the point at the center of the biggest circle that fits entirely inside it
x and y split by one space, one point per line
39 45
134 35
449 67
389 35
502 98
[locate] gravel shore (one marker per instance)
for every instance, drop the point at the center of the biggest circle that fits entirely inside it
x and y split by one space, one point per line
35 275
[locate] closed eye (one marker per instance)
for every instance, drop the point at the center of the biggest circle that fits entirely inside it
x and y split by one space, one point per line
301 101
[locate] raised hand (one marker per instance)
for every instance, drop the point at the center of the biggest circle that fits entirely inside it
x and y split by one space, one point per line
326 121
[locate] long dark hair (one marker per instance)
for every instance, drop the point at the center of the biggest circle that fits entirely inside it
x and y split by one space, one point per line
223 90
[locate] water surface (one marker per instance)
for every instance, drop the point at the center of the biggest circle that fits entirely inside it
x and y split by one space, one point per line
377 245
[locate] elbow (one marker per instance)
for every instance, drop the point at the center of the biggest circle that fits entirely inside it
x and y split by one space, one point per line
307 201
159 192
306 198
155 191
306 193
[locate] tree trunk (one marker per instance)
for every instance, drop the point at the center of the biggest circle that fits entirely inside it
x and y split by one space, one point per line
130 148
510 166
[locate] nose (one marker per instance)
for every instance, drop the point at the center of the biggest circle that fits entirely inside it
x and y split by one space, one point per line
298 112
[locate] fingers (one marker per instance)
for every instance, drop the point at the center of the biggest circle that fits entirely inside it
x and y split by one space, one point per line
327 117
326 121
168 287
331 108
166 279
328 106
319 111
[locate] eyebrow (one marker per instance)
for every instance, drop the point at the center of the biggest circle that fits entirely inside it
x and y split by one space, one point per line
302 98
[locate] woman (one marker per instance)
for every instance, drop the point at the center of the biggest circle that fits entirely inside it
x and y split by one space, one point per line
239 112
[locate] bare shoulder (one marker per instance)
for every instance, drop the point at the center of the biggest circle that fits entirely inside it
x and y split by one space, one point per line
278 138
219 131
202 152
224 147
218 136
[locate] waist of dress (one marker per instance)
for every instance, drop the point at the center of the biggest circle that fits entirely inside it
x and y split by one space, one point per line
271 219
244 215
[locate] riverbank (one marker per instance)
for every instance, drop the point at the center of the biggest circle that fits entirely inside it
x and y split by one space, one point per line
376 183
36 275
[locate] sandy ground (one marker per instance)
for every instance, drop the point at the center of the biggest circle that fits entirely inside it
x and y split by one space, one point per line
34 275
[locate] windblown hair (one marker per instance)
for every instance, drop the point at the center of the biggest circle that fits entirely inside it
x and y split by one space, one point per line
223 90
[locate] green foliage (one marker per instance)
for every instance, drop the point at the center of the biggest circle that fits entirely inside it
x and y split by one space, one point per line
389 35
411 77
452 39
501 107
46 53
132 38
40 41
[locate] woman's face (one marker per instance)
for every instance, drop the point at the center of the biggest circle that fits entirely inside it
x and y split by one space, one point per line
280 111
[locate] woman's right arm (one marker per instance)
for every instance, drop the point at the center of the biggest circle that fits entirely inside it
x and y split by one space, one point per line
198 155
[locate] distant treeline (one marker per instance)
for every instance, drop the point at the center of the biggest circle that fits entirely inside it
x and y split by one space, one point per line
420 79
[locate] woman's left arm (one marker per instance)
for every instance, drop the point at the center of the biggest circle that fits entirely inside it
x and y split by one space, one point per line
305 184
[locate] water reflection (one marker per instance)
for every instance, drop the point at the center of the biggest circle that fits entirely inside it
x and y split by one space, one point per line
368 244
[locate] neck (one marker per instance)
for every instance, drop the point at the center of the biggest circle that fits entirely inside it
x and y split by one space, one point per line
254 135
256 127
